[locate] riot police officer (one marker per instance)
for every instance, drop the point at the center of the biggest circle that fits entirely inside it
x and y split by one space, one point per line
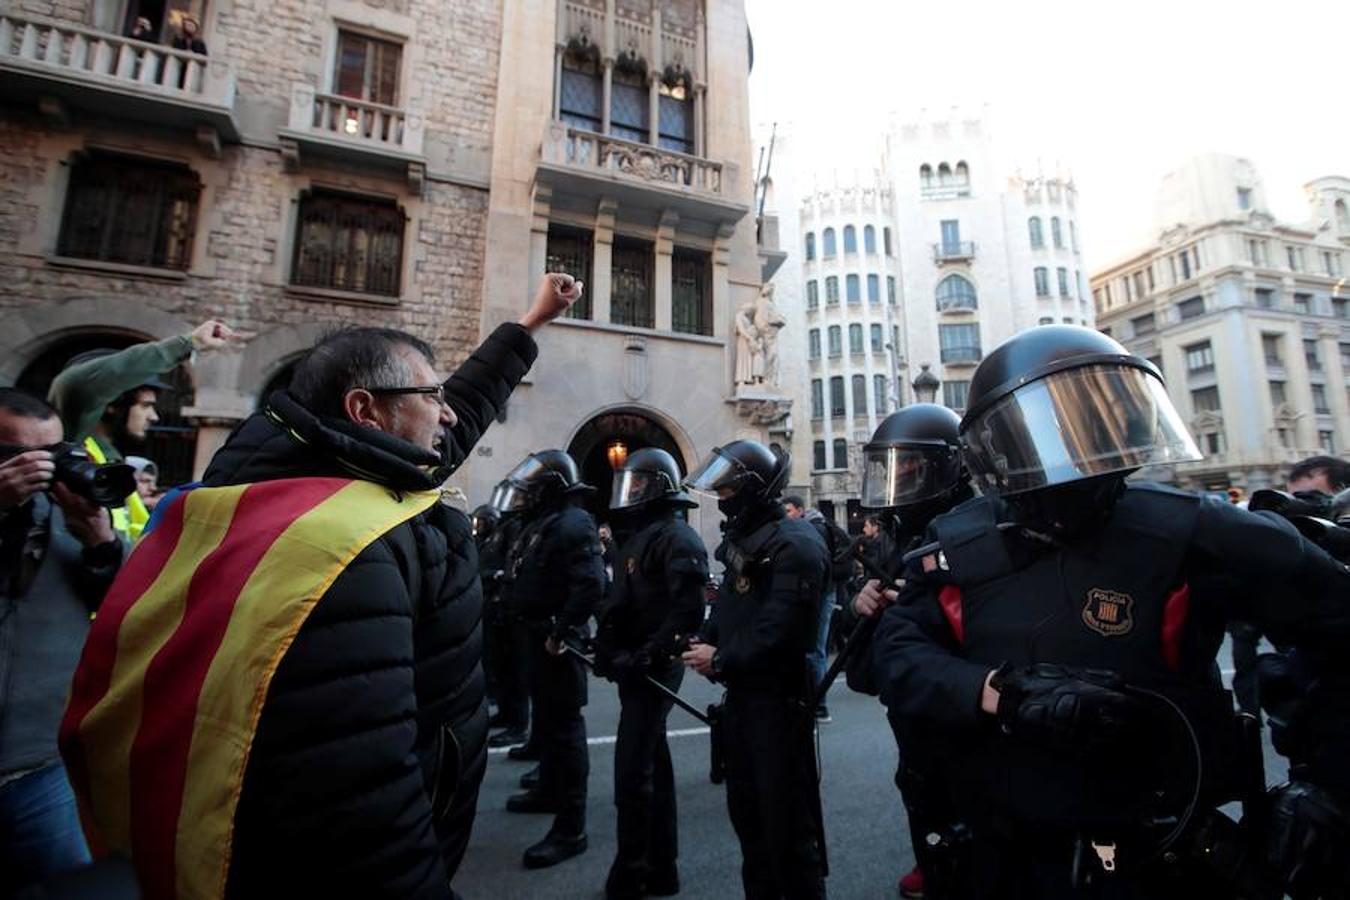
912 472
655 602
755 643
1066 641
504 638
556 580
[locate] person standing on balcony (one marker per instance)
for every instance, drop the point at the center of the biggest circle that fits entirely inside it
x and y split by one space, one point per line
190 36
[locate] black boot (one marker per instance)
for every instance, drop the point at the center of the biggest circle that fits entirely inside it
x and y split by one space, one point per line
526 752
624 882
662 881
530 780
532 802
509 737
555 848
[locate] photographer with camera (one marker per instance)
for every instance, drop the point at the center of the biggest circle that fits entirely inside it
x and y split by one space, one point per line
58 554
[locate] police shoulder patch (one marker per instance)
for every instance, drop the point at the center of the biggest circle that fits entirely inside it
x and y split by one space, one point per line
1109 613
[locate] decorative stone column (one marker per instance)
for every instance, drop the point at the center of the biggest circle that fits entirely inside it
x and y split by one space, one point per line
664 289
602 261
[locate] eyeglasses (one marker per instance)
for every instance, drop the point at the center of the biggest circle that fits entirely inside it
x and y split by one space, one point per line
434 391
431 390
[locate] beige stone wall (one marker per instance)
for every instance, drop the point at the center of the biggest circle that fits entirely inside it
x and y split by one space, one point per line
245 225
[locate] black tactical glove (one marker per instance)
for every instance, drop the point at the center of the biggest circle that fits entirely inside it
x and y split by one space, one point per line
618 664
1308 842
1062 709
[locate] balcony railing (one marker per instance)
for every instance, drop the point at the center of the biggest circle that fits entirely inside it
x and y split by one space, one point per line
608 154
130 77
961 354
957 304
358 124
954 251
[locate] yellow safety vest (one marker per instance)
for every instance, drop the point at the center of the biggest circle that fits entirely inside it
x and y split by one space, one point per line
129 520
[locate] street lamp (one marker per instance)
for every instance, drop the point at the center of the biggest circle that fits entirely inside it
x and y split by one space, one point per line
926 385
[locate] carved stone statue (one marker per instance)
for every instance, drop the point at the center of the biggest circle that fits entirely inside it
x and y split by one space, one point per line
749 348
769 321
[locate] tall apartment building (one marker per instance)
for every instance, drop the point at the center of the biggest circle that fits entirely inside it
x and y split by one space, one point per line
395 162
1248 318
908 275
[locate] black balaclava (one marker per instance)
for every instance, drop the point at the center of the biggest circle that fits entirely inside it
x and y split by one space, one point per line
1068 509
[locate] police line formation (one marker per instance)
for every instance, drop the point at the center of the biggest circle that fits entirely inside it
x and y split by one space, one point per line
1045 650
1042 633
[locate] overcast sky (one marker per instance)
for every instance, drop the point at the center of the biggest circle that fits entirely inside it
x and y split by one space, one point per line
1119 93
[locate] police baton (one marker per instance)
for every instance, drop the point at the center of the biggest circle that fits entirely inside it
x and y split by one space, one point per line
860 637
671 695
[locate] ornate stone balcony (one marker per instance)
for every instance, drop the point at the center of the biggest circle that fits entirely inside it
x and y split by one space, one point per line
590 164
62 66
341 127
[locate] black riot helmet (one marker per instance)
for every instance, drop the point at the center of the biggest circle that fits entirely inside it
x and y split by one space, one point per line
543 478
749 474
1061 404
648 476
914 458
485 520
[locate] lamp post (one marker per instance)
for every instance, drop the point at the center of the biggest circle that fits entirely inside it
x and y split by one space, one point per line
926 385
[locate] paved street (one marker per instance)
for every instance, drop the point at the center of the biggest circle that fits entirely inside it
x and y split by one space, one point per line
865 828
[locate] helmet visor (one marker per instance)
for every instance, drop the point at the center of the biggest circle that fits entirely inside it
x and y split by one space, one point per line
633 487
900 476
509 498
718 472
1076 424
526 470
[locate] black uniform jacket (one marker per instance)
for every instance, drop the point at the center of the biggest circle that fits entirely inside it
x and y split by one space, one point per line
365 769
767 614
1146 596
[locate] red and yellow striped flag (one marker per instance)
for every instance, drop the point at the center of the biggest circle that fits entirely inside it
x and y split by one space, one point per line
167 696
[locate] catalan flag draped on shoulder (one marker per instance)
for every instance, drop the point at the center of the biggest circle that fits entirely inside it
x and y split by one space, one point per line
167 697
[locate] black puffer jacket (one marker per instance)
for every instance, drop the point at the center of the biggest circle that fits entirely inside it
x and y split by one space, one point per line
365 769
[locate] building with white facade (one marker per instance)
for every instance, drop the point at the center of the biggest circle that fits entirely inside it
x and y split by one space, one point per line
1248 318
926 263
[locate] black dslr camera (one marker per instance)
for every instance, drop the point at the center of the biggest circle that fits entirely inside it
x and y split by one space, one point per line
107 485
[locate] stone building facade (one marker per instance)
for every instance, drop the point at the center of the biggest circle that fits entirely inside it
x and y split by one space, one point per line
906 275
391 162
1248 318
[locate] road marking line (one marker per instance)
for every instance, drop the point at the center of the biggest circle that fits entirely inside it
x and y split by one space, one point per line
612 738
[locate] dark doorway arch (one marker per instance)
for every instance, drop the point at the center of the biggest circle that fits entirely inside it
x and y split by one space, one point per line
632 429
171 443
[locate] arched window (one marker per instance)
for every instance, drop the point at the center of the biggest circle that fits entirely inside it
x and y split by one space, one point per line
827 249
818 409
580 101
855 339
810 246
874 290
886 240
832 290
851 291
869 239
813 344
962 173
836 341
925 175
818 460
1034 230
812 294
840 453
850 239
955 292
675 112
879 393
1342 216
878 342
837 407
860 395
944 175
630 101
1056 235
